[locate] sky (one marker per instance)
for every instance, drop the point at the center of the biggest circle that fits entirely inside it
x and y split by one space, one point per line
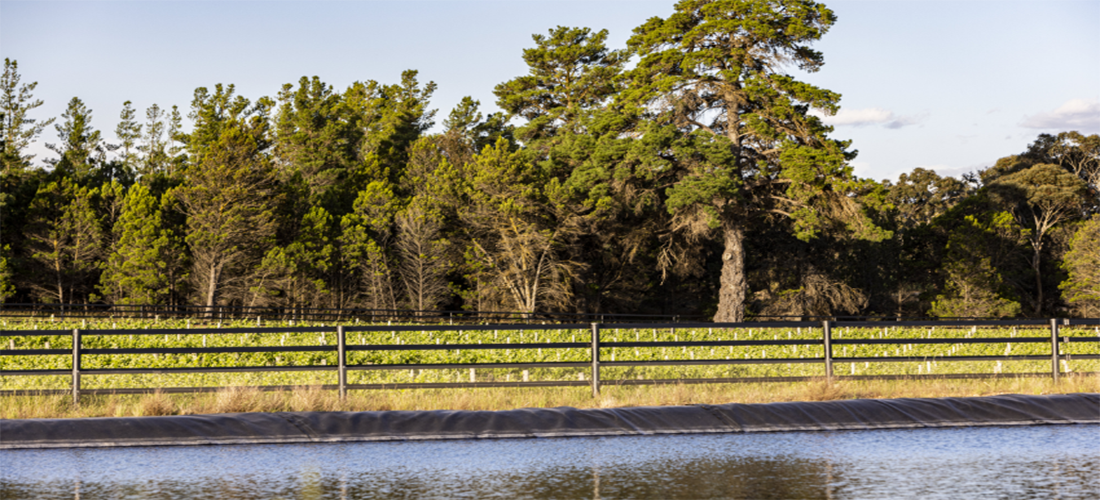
943 85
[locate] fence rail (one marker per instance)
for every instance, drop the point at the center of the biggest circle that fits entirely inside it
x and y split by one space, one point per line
223 313
592 345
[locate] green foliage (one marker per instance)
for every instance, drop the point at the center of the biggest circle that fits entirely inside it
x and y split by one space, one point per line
63 240
17 129
1081 288
922 195
137 270
571 73
732 136
686 173
82 151
227 190
128 132
7 288
973 285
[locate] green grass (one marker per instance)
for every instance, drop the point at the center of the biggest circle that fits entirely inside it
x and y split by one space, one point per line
930 356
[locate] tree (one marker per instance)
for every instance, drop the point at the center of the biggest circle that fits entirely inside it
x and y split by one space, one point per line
82 150
137 269
227 189
154 144
17 129
1081 289
128 132
468 126
1040 198
731 135
7 287
298 274
973 285
391 118
513 218
63 242
572 135
1073 151
571 73
316 138
921 195
422 257
365 235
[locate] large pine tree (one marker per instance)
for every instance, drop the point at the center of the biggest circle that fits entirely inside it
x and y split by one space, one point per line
730 133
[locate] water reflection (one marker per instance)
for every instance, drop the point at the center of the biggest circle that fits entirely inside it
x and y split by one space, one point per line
1025 462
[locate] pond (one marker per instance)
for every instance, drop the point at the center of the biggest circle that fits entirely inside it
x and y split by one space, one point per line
989 462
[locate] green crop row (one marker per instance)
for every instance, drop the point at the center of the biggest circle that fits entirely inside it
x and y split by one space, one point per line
925 358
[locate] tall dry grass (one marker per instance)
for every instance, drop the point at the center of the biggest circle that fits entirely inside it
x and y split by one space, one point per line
247 399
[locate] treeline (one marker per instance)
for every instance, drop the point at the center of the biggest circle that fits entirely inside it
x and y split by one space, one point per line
697 182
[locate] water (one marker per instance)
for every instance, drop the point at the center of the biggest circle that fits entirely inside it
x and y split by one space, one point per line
991 462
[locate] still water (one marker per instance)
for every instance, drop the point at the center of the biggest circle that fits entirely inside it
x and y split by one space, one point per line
991 462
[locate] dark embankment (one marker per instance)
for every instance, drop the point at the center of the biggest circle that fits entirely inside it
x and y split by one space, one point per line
328 427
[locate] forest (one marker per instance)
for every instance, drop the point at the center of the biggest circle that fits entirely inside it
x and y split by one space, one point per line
686 173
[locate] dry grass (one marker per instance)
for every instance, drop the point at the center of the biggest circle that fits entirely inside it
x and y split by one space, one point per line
314 399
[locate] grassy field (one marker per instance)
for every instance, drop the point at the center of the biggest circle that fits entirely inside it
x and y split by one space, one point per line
928 359
245 399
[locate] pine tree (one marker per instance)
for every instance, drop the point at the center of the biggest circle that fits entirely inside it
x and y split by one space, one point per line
731 135
128 132
227 191
136 271
82 150
365 236
153 146
63 240
17 129
7 285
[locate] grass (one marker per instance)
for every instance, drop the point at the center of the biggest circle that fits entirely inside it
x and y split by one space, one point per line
246 399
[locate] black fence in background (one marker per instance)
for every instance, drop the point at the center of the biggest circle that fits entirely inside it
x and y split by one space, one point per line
593 345
225 313
315 314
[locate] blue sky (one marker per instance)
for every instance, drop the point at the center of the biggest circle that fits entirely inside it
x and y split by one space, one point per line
948 85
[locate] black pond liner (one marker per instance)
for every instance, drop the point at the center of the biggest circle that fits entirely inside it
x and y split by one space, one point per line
344 427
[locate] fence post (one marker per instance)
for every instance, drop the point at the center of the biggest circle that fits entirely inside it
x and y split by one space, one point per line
76 366
827 336
595 359
1054 349
341 363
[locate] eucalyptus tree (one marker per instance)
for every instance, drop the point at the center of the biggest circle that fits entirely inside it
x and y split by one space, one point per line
1041 198
1075 152
728 136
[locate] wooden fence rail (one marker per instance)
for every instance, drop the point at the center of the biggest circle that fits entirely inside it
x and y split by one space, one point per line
593 345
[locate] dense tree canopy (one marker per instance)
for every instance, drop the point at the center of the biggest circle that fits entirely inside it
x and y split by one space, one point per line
697 180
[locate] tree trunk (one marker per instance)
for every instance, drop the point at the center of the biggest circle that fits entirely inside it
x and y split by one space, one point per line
731 296
1035 264
211 289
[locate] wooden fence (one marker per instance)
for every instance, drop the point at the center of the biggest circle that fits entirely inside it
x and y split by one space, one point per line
593 344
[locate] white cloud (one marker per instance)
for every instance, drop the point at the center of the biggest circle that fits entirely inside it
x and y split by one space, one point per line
868 116
1082 115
